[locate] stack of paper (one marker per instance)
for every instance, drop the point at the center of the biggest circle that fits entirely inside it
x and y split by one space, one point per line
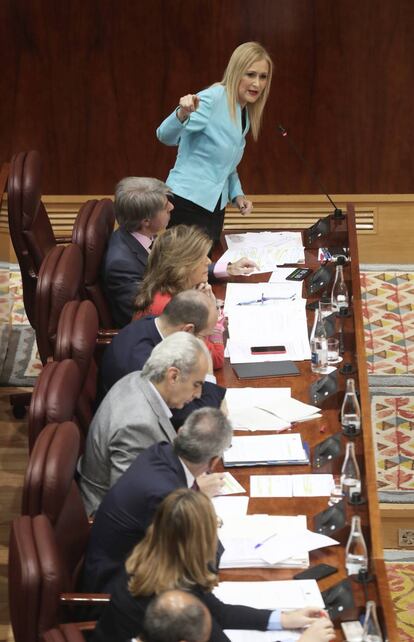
247 408
266 450
285 594
291 485
240 537
288 594
268 541
289 409
279 323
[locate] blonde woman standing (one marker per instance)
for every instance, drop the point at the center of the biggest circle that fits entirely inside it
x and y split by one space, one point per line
210 129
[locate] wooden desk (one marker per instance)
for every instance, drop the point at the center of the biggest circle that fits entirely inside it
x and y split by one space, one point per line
342 233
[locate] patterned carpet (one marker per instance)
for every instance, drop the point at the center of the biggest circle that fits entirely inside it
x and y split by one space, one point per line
392 413
388 312
401 581
19 361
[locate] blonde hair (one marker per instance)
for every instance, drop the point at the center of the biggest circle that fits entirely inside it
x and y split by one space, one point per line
173 257
241 59
177 548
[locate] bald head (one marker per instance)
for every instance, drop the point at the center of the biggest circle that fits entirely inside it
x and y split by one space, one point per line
176 616
190 310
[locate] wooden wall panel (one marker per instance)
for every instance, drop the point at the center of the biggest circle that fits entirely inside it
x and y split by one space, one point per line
87 82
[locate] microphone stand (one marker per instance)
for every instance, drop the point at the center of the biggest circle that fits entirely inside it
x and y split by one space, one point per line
338 214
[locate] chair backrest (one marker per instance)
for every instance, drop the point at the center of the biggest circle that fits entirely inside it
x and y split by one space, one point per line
33 556
92 229
30 229
54 397
65 633
76 339
59 281
50 488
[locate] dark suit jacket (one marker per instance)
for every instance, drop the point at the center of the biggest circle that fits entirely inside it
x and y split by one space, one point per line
126 511
122 618
123 270
128 352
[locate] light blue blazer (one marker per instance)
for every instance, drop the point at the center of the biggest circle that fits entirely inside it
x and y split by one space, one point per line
210 146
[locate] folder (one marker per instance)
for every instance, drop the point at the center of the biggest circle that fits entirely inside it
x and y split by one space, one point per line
267 450
265 369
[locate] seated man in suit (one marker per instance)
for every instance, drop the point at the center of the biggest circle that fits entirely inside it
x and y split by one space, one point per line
176 616
136 412
142 209
189 311
129 506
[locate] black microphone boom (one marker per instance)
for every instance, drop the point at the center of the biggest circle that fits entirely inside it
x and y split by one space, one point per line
337 211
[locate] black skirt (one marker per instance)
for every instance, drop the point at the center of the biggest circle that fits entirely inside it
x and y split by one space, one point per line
188 213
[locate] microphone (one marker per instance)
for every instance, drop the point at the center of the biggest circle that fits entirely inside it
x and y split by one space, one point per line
337 215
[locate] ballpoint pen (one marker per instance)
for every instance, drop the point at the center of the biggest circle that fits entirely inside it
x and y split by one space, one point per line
264 541
268 298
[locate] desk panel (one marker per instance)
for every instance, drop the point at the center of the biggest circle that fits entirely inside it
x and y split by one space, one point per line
342 233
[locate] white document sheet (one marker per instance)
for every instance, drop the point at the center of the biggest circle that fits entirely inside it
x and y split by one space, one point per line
231 485
284 594
262 636
257 419
312 485
270 485
226 507
291 485
251 294
266 449
240 536
284 544
268 249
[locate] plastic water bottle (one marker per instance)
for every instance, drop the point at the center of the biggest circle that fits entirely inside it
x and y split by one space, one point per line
350 411
371 629
356 554
350 475
339 294
319 344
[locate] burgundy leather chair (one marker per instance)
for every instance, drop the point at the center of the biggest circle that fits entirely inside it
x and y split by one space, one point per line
76 339
60 280
91 231
30 228
42 582
54 397
50 488
65 633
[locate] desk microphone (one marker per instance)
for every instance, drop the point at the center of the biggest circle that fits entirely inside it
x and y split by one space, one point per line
337 215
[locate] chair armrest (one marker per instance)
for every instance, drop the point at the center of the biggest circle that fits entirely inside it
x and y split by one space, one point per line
63 240
84 599
86 626
105 336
